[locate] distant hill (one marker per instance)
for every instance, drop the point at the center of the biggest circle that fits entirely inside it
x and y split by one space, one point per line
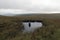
57 15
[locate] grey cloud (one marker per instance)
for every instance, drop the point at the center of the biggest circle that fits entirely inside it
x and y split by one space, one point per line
14 4
29 6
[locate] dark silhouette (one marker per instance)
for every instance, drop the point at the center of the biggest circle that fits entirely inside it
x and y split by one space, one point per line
29 24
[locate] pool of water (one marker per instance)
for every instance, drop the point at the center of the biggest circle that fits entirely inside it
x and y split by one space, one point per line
33 26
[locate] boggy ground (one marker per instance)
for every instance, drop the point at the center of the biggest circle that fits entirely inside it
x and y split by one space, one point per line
11 28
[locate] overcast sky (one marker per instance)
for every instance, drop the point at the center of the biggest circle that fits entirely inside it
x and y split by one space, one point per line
27 6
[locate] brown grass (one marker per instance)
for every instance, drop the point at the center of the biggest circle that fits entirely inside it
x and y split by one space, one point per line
11 28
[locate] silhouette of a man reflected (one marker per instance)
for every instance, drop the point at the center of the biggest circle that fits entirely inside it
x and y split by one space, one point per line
29 24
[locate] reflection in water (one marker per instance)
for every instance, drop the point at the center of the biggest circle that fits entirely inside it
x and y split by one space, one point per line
31 26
